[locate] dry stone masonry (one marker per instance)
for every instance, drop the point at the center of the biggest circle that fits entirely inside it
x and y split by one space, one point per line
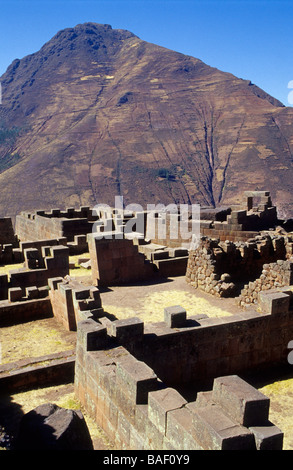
221 268
275 275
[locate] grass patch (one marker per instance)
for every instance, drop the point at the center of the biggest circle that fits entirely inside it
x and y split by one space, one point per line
9 160
9 267
34 339
152 306
79 271
280 394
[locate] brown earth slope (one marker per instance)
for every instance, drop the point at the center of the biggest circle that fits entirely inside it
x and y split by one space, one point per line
98 112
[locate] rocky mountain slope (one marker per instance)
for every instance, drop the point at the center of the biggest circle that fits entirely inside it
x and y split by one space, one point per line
98 112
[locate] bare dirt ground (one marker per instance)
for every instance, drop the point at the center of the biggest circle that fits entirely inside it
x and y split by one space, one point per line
147 301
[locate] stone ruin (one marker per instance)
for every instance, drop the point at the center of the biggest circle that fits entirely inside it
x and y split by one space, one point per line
243 221
246 251
228 269
139 401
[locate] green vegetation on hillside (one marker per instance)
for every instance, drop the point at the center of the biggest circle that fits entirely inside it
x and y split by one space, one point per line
8 157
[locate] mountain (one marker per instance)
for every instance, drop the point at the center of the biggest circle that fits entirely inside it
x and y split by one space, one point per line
98 112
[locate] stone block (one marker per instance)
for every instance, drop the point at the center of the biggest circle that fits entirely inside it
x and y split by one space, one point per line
17 255
216 431
95 295
268 437
91 336
206 223
31 257
31 253
127 330
172 266
175 316
154 437
66 292
32 292
124 403
81 293
242 402
249 203
237 216
159 254
3 280
202 399
97 313
15 294
136 441
160 403
140 419
123 429
96 363
136 378
273 302
80 240
43 292
180 430
107 378
178 252
113 415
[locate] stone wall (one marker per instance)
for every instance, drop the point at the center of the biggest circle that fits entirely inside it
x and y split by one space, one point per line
138 412
65 299
274 276
55 224
166 229
200 348
7 235
26 374
222 268
24 310
117 261
135 397
15 255
8 242
130 258
10 255
36 270
236 223
40 244
30 227
73 302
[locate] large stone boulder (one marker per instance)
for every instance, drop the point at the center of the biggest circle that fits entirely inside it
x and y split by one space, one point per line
49 427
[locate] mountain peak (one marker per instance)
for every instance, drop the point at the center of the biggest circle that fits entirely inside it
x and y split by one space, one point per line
88 36
97 112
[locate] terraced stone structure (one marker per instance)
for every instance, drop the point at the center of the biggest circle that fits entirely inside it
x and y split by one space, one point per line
177 384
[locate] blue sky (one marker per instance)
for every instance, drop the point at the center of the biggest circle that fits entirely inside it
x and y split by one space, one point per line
251 39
